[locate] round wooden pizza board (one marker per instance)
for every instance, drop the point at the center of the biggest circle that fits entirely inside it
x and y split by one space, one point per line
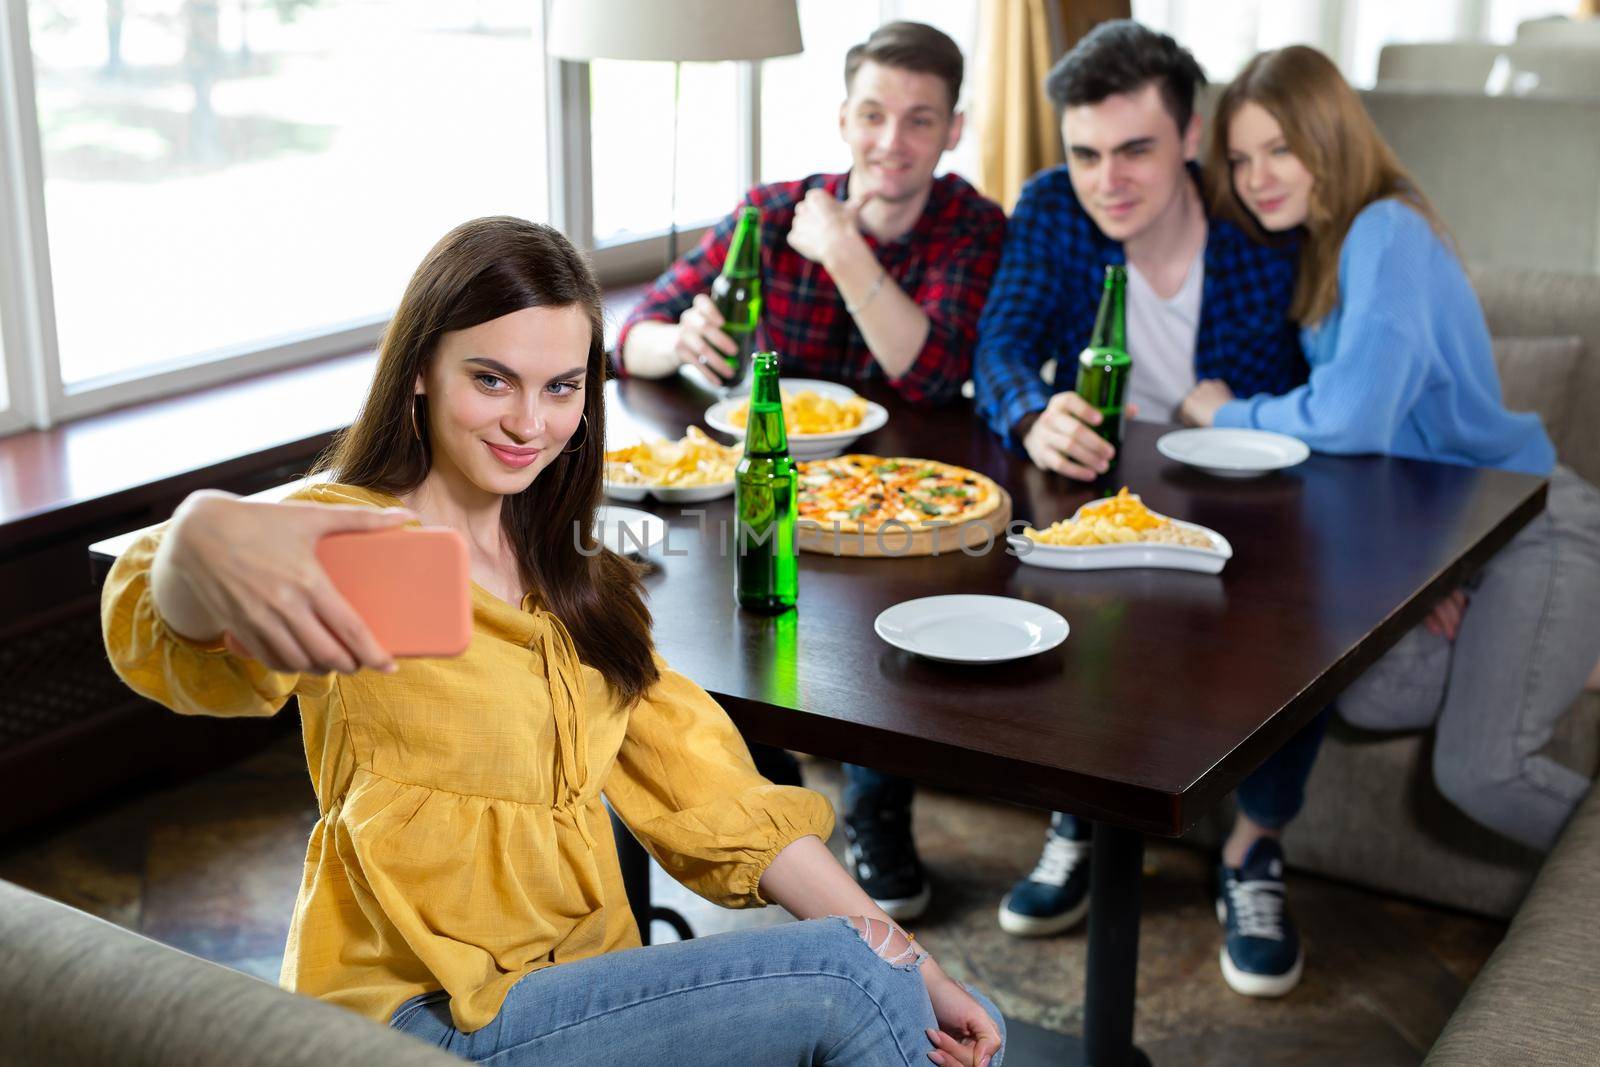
896 539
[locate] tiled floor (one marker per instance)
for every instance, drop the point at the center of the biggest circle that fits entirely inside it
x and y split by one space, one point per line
212 866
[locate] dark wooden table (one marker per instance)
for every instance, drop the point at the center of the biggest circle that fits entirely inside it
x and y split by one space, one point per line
1172 686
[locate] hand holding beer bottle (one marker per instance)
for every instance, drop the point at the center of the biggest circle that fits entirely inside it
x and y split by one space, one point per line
1078 433
737 294
717 333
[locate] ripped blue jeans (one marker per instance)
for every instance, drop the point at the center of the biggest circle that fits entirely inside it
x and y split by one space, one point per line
804 993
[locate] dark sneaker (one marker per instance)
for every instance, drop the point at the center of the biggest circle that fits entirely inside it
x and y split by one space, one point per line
1261 954
1055 896
884 861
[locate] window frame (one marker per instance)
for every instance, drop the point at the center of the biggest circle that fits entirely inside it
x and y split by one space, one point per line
39 399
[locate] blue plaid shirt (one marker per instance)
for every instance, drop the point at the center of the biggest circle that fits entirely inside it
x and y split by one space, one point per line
1043 300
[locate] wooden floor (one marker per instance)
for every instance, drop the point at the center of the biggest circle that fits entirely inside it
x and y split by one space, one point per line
211 866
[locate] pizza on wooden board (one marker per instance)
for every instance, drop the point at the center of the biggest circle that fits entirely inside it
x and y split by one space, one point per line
860 494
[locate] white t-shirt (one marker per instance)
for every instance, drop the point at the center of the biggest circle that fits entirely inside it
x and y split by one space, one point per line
1161 336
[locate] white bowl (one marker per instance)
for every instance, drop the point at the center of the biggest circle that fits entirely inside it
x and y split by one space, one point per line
669 494
632 494
1127 554
804 446
691 494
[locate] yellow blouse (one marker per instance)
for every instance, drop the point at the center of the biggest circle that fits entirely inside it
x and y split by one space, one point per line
462 841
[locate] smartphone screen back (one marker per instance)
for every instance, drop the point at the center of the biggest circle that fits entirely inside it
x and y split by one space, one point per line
411 586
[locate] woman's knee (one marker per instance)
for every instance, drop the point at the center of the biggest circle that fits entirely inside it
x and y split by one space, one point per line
1404 689
1484 795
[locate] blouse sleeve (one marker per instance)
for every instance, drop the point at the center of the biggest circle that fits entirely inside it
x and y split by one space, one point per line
1359 396
685 785
159 664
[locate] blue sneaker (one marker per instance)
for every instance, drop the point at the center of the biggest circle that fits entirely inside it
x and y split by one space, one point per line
1261 954
1055 896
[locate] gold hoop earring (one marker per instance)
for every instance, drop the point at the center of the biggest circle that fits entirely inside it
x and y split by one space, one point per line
584 422
416 431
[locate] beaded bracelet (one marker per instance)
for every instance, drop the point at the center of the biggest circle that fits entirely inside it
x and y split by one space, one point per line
856 309
912 954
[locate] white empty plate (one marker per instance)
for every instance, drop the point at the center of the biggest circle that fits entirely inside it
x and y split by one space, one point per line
628 531
967 628
1233 453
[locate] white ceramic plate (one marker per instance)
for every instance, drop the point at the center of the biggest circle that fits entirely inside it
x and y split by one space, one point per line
669 494
965 628
692 494
632 494
1233 453
1135 554
625 530
803 446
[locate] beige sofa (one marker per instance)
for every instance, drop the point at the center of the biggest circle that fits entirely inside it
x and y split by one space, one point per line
1560 30
1479 66
1517 179
76 991
1471 66
1537 1000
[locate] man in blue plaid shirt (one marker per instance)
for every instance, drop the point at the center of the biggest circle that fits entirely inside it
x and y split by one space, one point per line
1204 302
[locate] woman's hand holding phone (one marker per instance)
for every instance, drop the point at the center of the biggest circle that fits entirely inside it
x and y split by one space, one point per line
248 571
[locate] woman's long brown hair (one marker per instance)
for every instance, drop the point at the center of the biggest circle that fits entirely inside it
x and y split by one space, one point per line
1332 135
479 271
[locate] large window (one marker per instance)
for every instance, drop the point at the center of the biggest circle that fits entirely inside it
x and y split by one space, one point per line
631 118
200 189
5 386
223 176
800 95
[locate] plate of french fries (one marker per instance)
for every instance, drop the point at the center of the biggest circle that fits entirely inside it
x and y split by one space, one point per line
821 418
686 471
1120 531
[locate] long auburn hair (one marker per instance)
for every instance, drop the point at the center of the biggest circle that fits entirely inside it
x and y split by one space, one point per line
1330 132
479 271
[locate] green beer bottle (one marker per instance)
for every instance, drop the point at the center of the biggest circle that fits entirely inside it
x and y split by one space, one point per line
767 574
737 292
1104 367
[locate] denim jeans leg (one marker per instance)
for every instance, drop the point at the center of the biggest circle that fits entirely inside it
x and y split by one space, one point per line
776 765
807 992
1272 795
873 791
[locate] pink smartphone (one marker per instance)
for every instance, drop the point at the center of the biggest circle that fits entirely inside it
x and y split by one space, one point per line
411 586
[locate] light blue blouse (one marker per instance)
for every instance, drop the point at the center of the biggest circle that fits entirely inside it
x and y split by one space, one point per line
1403 363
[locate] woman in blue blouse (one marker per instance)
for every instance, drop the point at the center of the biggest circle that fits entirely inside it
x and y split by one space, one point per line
1401 364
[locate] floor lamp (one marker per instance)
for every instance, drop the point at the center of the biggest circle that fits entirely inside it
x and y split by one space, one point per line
678 31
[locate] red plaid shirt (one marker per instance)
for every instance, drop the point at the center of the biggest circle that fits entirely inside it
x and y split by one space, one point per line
944 264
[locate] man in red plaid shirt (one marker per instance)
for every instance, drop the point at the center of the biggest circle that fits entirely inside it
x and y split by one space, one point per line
878 274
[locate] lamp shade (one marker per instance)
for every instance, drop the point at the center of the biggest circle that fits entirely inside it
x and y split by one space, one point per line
689 30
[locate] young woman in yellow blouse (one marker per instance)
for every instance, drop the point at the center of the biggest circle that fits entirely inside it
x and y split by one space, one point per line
461 883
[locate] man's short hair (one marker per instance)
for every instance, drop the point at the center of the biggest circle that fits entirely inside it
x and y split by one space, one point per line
911 46
1121 56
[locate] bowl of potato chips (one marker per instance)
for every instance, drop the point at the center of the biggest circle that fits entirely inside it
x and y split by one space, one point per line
687 471
1120 531
822 418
